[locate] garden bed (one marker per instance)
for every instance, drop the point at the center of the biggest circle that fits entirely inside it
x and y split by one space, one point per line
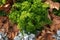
29 20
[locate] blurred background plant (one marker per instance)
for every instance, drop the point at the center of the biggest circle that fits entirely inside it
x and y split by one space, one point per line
2 2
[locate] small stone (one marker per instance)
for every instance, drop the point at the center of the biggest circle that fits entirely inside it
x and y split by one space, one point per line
26 37
58 32
58 38
31 37
20 34
16 38
0 36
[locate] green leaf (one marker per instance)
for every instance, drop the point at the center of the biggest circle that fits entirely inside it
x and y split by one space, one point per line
45 5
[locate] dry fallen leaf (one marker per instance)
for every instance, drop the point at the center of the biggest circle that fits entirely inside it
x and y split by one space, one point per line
53 5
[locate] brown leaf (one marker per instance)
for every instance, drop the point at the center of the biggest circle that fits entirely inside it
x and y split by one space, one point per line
53 5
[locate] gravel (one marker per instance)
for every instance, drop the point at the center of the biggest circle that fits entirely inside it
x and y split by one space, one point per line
24 36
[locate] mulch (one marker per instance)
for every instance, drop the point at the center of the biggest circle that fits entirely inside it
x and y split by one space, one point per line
9 28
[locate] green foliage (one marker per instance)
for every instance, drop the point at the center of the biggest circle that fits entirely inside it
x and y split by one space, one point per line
2 13
2 2
30 15
56 1
56 12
